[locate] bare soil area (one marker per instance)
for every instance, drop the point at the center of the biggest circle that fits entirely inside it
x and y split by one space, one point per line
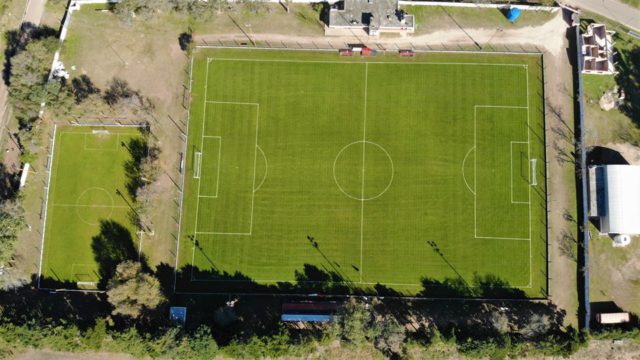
33 354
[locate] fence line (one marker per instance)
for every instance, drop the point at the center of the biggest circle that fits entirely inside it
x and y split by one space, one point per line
583 185
475 5
391 47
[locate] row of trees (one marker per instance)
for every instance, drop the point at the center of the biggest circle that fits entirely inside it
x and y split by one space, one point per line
358 327
127 10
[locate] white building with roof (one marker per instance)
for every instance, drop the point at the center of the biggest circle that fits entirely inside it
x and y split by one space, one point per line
615 200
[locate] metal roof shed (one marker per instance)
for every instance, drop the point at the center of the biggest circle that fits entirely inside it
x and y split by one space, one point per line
620 199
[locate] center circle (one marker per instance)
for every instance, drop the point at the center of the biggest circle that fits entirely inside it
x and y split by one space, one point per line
93 205
363 170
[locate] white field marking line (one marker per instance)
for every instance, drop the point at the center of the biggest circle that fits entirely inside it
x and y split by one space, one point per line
204 119
367 62
463 175
511 159
343 282
233 103
526 70
182 183
92 206
255 162
266 169
335 178
475 205
46 203
364 146
222 233
255 157
218 166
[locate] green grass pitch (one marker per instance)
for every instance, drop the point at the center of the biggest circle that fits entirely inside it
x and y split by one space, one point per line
88 225
311 172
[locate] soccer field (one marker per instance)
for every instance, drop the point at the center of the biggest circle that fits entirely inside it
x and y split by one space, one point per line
88 228
310 172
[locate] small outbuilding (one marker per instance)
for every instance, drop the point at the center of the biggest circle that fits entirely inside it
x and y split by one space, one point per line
615 200
178 314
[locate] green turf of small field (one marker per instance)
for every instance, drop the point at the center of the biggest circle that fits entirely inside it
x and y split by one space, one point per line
307 171
88 225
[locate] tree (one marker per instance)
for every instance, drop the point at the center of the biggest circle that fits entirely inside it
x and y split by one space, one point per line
126 10
131 291
29 71
354 323
500 322
390 339
11 222
538 325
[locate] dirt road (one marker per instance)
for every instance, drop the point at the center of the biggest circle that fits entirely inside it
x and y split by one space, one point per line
613 9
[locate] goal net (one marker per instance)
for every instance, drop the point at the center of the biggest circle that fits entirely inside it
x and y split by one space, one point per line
197 163
100 132
534 179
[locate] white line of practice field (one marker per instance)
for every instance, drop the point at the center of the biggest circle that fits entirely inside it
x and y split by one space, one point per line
46 203
526 71
92 206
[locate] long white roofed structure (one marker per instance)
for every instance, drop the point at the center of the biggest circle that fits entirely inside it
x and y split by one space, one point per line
615 200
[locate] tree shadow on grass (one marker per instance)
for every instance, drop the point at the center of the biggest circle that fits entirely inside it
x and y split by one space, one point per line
138 149
113 245
628 79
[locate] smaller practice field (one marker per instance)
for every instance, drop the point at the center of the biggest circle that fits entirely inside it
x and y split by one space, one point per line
88 228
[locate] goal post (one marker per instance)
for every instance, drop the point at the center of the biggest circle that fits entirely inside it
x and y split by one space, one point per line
534 178
197 164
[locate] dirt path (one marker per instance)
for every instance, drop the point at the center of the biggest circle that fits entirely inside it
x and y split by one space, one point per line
561 183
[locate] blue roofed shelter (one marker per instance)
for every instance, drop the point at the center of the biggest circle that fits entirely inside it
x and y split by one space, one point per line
178 314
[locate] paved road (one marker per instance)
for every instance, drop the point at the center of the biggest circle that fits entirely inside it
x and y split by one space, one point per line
612 9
